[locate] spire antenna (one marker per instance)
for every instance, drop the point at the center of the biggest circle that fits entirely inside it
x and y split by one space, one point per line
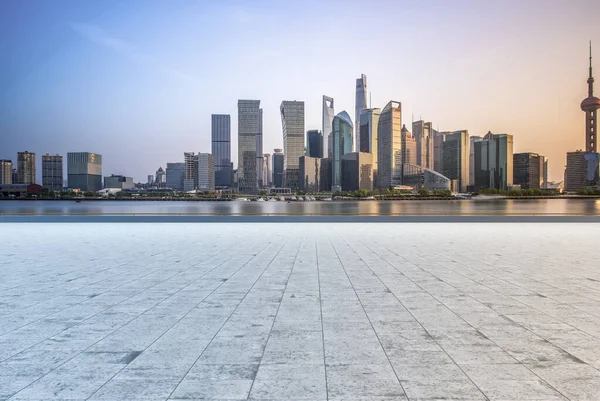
590 58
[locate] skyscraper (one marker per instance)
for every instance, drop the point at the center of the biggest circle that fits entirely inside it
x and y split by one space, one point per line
161 177
6 172
249 129
590 106
52 172
259 151
175 174
455 159
328 115
278 168
267 173
423 134
205 172
314 143
472 141
221 149
292 122
360 104
341 144
150 179
84 171
528 170
189 179
409 147
26 167
389 145
369 120
494 161
357 171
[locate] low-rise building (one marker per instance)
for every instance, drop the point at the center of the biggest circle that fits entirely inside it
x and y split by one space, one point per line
119 182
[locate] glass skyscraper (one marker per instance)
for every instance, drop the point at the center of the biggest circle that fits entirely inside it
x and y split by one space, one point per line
221 149
341 144
494 161
423 134
455 159
361 104
292 121
278 168
249 127
314 143
389 145
52 172
327 128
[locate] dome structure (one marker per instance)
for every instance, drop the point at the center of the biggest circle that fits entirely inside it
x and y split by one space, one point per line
590 104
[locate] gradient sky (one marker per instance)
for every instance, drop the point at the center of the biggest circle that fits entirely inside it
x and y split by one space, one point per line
137 81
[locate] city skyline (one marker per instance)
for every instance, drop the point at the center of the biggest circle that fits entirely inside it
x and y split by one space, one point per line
492 82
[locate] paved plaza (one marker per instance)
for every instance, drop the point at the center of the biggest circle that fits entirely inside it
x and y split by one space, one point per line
335 311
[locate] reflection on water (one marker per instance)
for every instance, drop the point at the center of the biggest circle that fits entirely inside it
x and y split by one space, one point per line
500 206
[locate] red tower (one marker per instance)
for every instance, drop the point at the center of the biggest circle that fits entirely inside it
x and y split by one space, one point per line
591 105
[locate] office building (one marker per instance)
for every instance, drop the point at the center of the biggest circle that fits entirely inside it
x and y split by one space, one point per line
278 168
455 159
369 120
259 151
175 174
6 172
472 141
327 122
438 150
419 177
161 177
545 172
494 162
249 126
26 168
118 181
52 172
341 144
84 171
267 172
582 170
292 122
357 171
189 179
221 149
314 143
409 146
389 145
150 179
528 170
205 172
15 176
423 133
310 174
360 104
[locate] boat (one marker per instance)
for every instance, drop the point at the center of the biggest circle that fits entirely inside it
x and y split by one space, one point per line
260 200
293 198
327 199
243 199
272 199
77 200
281 199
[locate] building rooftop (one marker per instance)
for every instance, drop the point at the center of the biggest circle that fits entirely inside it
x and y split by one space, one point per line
266 311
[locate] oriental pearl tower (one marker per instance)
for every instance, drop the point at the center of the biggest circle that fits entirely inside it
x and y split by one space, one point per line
590 105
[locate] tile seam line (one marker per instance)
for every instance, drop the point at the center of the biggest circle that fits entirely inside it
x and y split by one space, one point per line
321 315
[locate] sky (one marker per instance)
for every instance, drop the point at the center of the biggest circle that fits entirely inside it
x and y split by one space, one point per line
137 81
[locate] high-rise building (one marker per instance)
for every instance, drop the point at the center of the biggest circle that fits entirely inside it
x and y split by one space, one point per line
409 147
118 181
389 145
494 162
84 171
205 172
221 149
249 129
278 168
472 141
6 172
341 144
328 115
423 134
314 143
26 167
455 159
438 150
360 104
369 120
267 173
175 174
15 176
357 171
189 179
528 170
292 122
310 174
161 177
582 170
52 172
590 106
259 151
545 173
150 179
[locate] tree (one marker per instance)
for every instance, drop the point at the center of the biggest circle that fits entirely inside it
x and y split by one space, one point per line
423 192
263 192
363 193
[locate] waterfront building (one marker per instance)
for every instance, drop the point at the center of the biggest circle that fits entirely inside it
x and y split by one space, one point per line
389 145
259 151
221 149
327 124
161 177
175 174
409 146
472 141
455 159
360 104
494 162
292 122
438 150
582 170
369 120
314 143
310 174
528 170
267 172
52 172
423 133
545 173
249 129
6 172
84 171
419 177
357 171
118 182
26 168
278 168
15 176
341 144
150 179
205 172
189 179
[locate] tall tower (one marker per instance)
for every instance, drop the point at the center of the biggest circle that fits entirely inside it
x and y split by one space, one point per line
328 115
590 105
361 104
